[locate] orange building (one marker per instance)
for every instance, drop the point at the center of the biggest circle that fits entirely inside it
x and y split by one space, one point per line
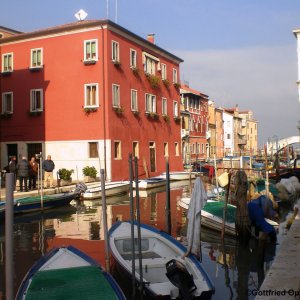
194 112
89 93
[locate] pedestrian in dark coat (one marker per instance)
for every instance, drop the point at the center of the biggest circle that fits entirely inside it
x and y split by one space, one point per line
23 168
12 165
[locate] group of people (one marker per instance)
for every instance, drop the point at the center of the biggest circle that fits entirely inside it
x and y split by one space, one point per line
27 172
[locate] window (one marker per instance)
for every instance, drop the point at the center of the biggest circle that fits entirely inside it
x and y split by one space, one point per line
132 58
166 149
36 58
93 149
175 79
228 136
115 55
36 100
7 103
91 50
175 108
164 106
176 149
163 71
7 62
115 95
134 102
135 149
117 148
91 95
150 103
149 62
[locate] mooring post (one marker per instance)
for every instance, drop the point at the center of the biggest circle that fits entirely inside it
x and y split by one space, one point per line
9 235
168 202
132 225
138 219
104 218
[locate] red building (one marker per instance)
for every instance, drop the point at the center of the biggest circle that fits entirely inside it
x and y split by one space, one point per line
194 112
89 93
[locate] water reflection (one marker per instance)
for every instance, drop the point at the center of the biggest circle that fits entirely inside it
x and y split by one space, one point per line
232 268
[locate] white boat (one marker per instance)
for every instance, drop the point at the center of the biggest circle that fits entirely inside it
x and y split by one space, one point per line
162 260
67 273
212 215
111 188
180 175
149 183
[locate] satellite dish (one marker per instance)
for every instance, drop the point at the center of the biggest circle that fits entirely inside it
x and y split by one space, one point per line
81 15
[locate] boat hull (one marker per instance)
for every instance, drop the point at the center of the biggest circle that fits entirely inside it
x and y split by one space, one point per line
60 274
111 189
177 176
158 248
150 183
32 204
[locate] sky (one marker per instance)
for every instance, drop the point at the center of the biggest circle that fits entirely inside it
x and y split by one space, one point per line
237 52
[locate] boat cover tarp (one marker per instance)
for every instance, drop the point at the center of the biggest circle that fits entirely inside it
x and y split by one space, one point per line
216 208
198 200
258 210
71 283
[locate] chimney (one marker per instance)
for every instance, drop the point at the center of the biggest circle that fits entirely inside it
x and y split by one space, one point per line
150 38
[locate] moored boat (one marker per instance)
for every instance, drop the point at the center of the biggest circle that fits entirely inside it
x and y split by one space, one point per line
149 183
212 215
183 175
37 203
111 189
67 273
162 260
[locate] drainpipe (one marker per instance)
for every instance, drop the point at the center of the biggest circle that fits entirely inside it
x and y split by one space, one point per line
104 106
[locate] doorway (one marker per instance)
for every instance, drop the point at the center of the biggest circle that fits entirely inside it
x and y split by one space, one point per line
152 157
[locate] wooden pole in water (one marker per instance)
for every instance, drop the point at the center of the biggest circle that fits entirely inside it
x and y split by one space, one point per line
168 202
9 235
242 218
225 208
138 217
132 225
104 218
267 172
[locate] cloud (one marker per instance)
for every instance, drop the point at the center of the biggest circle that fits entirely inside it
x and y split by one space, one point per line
261 79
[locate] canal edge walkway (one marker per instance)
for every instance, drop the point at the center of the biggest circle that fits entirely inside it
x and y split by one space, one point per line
283 278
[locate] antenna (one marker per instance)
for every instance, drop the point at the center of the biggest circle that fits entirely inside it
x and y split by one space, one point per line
116 11
80 15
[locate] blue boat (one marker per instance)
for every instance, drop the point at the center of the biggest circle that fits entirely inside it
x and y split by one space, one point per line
168 271
68 273
37 203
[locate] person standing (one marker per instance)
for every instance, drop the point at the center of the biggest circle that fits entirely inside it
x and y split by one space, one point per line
48 167
33 173
12 168
23 173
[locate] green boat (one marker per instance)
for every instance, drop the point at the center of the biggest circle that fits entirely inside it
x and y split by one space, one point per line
67 273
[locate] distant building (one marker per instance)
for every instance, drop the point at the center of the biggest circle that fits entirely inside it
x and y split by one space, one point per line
219 133
239 136
194 115
228 133
250 130
7 32
90 93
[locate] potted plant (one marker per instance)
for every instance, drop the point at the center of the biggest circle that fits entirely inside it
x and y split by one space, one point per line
89 173
153 80
65 176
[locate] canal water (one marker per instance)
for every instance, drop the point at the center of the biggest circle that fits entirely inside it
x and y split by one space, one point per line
236 272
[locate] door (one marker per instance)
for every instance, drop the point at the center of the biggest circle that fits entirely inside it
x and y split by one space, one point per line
12 150
33 149
152 157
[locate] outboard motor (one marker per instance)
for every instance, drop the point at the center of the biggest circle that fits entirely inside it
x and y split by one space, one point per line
80 189
181 278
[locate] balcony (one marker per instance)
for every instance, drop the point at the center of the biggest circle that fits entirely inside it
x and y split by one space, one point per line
242 141
184 133
208 134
